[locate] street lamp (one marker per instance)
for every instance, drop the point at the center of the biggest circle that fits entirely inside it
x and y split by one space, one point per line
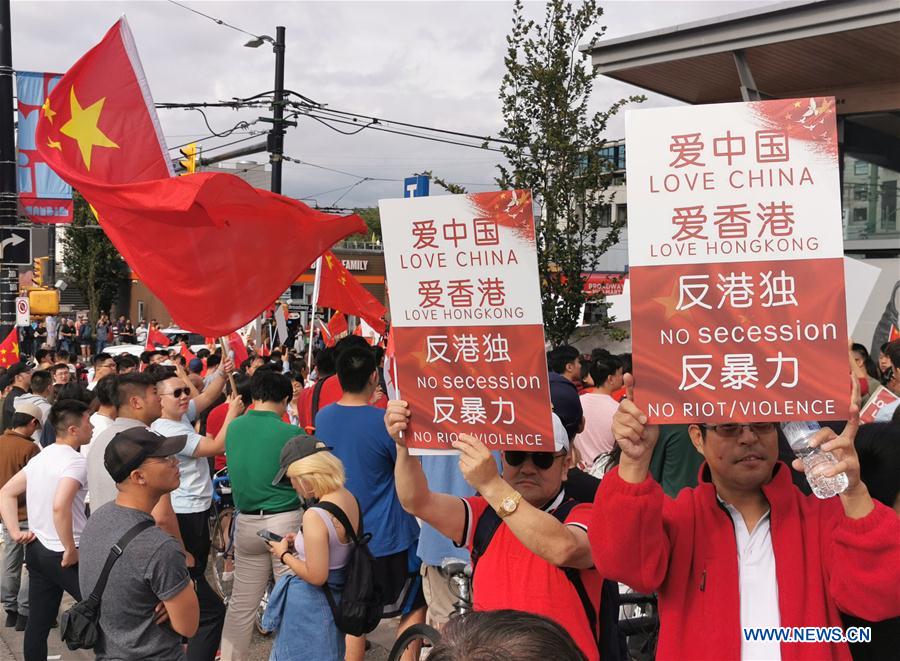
276 134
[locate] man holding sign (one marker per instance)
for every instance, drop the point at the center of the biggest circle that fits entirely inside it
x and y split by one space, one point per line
745 556
537 548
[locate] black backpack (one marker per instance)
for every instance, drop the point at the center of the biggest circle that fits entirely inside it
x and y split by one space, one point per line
605 625
361 604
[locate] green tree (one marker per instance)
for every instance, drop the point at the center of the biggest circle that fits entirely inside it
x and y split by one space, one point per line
553 148
373 221
91 260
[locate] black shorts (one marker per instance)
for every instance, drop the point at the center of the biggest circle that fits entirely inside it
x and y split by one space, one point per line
400 581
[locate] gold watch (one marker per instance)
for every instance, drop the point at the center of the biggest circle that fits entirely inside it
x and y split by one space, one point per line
509 504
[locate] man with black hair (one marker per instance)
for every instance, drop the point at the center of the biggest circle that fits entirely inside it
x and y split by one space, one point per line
16 450
253 445
20 379
55 485
44 358
356 431
327 388
106 409
104 365
40 395
565 368
181 406
149 602
61 374
126 363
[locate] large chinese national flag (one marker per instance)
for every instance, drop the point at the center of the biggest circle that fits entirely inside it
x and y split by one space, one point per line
214 249
339 290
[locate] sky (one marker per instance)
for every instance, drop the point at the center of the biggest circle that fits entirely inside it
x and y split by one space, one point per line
436 64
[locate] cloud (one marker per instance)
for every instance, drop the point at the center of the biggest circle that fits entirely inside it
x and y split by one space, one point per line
436 64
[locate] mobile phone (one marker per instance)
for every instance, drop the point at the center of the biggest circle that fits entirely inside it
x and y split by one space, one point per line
269 536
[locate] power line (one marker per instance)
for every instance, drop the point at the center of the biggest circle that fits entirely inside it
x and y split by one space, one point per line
322 167
219 21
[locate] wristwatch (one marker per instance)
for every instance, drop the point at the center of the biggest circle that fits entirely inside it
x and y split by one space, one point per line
509 504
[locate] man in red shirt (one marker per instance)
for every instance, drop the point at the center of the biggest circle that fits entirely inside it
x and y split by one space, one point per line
745 551
524 566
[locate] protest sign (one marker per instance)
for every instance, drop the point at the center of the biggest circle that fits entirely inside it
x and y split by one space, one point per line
880 398
735 256
466 320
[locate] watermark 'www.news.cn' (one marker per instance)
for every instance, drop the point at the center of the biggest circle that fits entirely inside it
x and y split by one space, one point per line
809 634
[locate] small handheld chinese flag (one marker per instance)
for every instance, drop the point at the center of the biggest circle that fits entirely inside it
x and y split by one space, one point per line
193 240
894 334
337 326
9 349
187 353
238 348
339 290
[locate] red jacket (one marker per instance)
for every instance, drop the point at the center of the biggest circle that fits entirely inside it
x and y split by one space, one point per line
685 550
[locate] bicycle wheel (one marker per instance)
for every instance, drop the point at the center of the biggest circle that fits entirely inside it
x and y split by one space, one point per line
261 610
413 634
221 529
223 581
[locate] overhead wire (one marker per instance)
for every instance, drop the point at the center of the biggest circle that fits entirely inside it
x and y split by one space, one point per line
218 21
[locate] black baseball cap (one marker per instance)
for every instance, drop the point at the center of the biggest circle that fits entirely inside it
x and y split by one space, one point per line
128 449
299 447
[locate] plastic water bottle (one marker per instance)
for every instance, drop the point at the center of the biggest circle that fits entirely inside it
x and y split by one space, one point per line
815 461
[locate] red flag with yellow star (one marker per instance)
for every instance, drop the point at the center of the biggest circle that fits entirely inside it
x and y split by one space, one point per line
9 349
194 240
339 290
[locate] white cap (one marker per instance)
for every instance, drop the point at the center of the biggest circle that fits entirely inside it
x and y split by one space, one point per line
560 435
28 409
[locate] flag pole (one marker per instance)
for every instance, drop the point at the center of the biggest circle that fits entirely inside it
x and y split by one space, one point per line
225 349
312 318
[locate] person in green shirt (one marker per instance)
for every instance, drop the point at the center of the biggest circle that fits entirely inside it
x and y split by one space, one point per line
675 463
253 446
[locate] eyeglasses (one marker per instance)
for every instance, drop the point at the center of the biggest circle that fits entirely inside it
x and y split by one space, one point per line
733 429
178 392
171 459
541 460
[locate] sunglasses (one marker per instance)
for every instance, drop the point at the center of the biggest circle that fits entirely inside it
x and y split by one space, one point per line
178 392
733 429
542 460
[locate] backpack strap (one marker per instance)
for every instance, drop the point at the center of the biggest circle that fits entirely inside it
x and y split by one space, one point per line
340 515
314 408
114 553
489 523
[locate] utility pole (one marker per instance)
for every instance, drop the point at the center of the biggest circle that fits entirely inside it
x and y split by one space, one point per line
276 148
9 204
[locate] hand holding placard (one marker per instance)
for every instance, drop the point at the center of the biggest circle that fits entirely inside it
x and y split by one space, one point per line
636 438
396 418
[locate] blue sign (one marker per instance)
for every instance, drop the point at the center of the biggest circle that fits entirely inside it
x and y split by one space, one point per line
416 186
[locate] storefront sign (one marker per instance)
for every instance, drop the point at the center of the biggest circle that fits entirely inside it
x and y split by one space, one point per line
735 253
466 313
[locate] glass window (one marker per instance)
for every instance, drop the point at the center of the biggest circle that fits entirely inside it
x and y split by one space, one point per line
622 213
604 215
860 167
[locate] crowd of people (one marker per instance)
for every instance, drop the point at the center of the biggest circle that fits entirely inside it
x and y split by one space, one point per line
716 519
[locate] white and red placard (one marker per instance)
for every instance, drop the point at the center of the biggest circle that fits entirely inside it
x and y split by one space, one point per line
466 320
880 398
735 262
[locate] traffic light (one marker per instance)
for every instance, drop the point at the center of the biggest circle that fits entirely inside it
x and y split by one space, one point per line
40 270
191 158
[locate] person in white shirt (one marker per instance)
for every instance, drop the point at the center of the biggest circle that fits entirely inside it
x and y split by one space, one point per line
106 411
55 484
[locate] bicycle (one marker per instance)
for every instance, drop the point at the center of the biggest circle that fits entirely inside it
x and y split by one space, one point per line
639 623
459 579
222 547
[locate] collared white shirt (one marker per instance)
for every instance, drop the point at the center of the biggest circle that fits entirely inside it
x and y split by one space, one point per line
758 584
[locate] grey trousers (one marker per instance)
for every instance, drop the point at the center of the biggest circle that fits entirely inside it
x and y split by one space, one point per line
14 581
253 565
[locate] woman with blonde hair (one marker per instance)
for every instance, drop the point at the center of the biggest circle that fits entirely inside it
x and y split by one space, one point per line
298 608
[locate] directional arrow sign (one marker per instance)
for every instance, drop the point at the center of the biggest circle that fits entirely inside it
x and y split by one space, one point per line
15 246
